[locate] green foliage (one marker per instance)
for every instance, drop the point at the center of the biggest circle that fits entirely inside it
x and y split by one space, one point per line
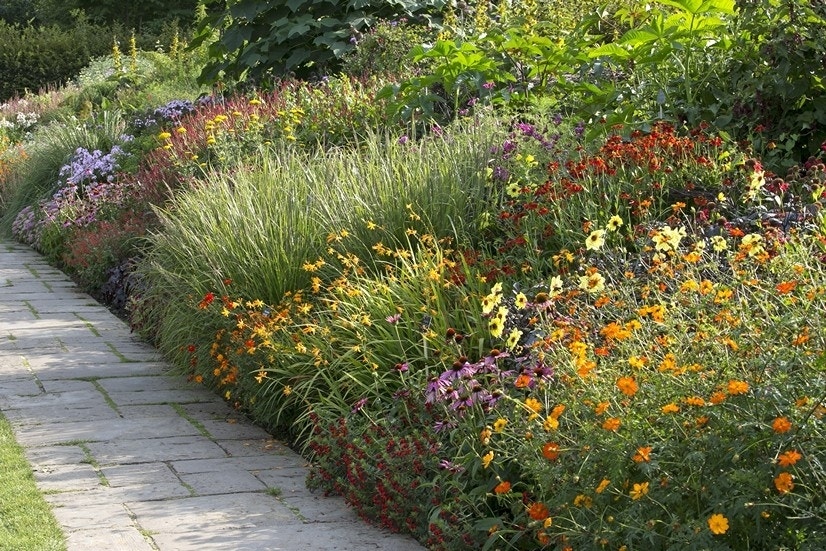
17 11
669 64
264 40
33 58
775 95
147 16
384 49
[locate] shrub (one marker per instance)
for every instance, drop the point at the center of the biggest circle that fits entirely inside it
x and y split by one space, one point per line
33 58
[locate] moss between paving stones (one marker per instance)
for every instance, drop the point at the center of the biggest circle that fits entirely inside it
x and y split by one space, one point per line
26 520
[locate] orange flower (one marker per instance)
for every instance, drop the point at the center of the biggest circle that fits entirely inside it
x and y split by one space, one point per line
695 401
502 488
785 287
789 458
523 381
627 385
670 408
538 511
802 338
783 483
717 398
557 411
533 404
601 407
612 424
550 451
737 387
602 485
643 454
718 524
583 501
781 425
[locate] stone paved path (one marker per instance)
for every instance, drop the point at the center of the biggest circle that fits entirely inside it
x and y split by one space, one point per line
132 458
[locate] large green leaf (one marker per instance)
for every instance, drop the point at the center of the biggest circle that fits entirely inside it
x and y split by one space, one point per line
611 49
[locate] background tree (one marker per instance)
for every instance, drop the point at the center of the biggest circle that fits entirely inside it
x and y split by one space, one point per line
262 40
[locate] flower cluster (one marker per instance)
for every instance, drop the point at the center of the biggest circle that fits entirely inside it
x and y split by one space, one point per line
87 186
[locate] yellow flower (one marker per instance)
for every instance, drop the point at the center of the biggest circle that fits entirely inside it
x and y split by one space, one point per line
555 286
551 423
595 240
637 362
533 404
496 326
593 283
639 491
582 501
502 313
489 302
484 436
521 300
164 136
512 190
499 424
486 459
718 524
614 223
180 130
513 338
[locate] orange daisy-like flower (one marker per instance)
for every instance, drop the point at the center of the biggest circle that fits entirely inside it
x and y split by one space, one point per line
783 483
695 401
643 454
538 511
718 524
670 408
737 387
789 458
781 425
550 451
785 287
502 488
523 381
612 423
601 407
602 485
627 386
717 398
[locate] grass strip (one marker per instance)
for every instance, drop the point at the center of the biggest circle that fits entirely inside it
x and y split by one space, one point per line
26 520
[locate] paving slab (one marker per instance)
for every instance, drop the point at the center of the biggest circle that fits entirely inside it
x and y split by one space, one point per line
131 456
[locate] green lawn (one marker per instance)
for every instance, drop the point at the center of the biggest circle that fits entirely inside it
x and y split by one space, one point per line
26 521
